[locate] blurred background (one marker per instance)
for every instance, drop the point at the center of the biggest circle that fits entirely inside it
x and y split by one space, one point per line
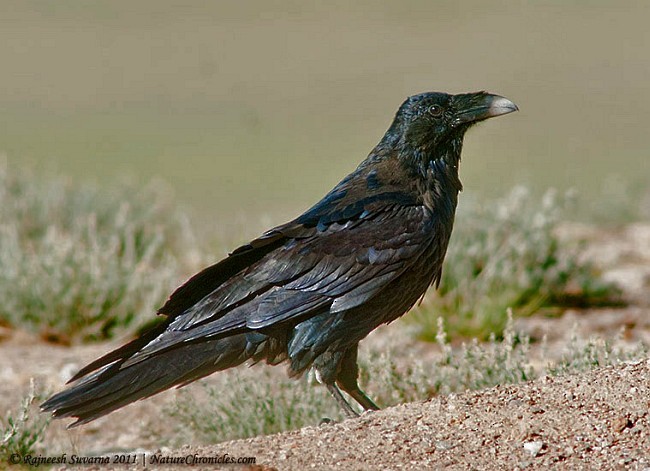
260 107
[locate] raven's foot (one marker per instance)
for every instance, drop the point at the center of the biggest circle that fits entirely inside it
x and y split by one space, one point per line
347 408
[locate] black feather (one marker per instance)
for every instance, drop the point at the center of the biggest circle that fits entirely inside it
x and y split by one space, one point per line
308 291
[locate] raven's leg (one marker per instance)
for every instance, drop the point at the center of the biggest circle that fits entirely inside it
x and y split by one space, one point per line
336 393
338 369
347 379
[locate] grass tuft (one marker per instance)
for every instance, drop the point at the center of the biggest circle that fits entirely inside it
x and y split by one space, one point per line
506 254
22 432
586 354
80 262
252 402
394 379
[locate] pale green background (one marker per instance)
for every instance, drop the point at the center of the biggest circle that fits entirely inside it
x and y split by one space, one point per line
259 107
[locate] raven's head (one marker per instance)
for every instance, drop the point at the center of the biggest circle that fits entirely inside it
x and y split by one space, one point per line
428 120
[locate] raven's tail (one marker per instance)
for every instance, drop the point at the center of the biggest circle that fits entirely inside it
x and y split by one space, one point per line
121 382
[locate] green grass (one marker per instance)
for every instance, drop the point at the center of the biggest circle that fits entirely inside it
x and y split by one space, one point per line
80 262
506 254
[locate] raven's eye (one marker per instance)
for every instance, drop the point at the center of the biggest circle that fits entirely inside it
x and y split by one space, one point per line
434 110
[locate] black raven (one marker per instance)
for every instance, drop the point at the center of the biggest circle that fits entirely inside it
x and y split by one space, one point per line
308 291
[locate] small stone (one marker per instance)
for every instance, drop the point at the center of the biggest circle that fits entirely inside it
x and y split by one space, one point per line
443 445
533 447
620 423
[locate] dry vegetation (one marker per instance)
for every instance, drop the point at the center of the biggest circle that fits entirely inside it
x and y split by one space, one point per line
397 365
82 264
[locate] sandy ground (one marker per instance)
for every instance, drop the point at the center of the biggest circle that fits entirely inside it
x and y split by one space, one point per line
597 420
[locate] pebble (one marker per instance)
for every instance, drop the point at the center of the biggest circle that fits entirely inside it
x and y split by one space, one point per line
533 447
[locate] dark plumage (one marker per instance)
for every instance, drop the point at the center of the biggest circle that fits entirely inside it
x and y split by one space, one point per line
308 291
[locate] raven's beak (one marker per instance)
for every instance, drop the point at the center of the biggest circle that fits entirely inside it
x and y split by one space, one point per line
473 107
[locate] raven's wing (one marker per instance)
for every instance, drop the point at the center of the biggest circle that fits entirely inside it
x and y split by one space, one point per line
333 270
192 291
333 258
